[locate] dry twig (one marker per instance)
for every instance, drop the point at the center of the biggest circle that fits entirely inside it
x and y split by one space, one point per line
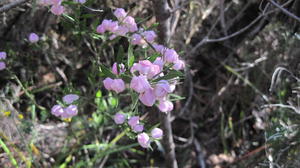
12 5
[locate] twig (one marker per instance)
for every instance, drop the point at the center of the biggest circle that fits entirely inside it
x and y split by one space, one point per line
284 10
12 5
191 92
200 157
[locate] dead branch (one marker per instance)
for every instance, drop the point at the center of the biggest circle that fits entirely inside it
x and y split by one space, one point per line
12 5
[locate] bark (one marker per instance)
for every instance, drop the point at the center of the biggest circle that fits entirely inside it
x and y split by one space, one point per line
163 16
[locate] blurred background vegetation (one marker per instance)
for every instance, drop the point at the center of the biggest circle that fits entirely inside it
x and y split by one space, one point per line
241 89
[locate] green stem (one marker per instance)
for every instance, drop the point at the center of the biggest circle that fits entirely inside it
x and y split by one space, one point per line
11 157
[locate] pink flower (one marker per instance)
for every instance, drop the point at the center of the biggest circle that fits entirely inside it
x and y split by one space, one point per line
162 88
57 110
56 2
2 55
130 23
145 67
171 56
107 83
159 48
158 61
149 35
100 29
156 133
148 97
80 1
152 71
120 13
70 111
45 2
114 69
138 128
137 39
179 65
140 84
2 66
107 25
119 118
33 38
57 9
70 98
143 140
110 25
133 121
118 85
165 106
121 30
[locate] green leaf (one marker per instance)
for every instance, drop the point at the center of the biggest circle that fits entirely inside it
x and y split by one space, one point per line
172 74
175 97
130 56
69 18
134 100
153 56
89 15
98 36
120 55
105 72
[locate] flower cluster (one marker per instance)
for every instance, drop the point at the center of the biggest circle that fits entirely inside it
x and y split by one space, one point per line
124 25
66 112
144 72
2 58
134 123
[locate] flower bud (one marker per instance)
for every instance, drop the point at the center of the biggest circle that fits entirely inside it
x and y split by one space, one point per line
156 133
138 128
119 118
33 38
133 121
143 140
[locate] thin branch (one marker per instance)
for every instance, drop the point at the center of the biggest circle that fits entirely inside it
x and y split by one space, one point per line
12 5
163 16
206 39
284 10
